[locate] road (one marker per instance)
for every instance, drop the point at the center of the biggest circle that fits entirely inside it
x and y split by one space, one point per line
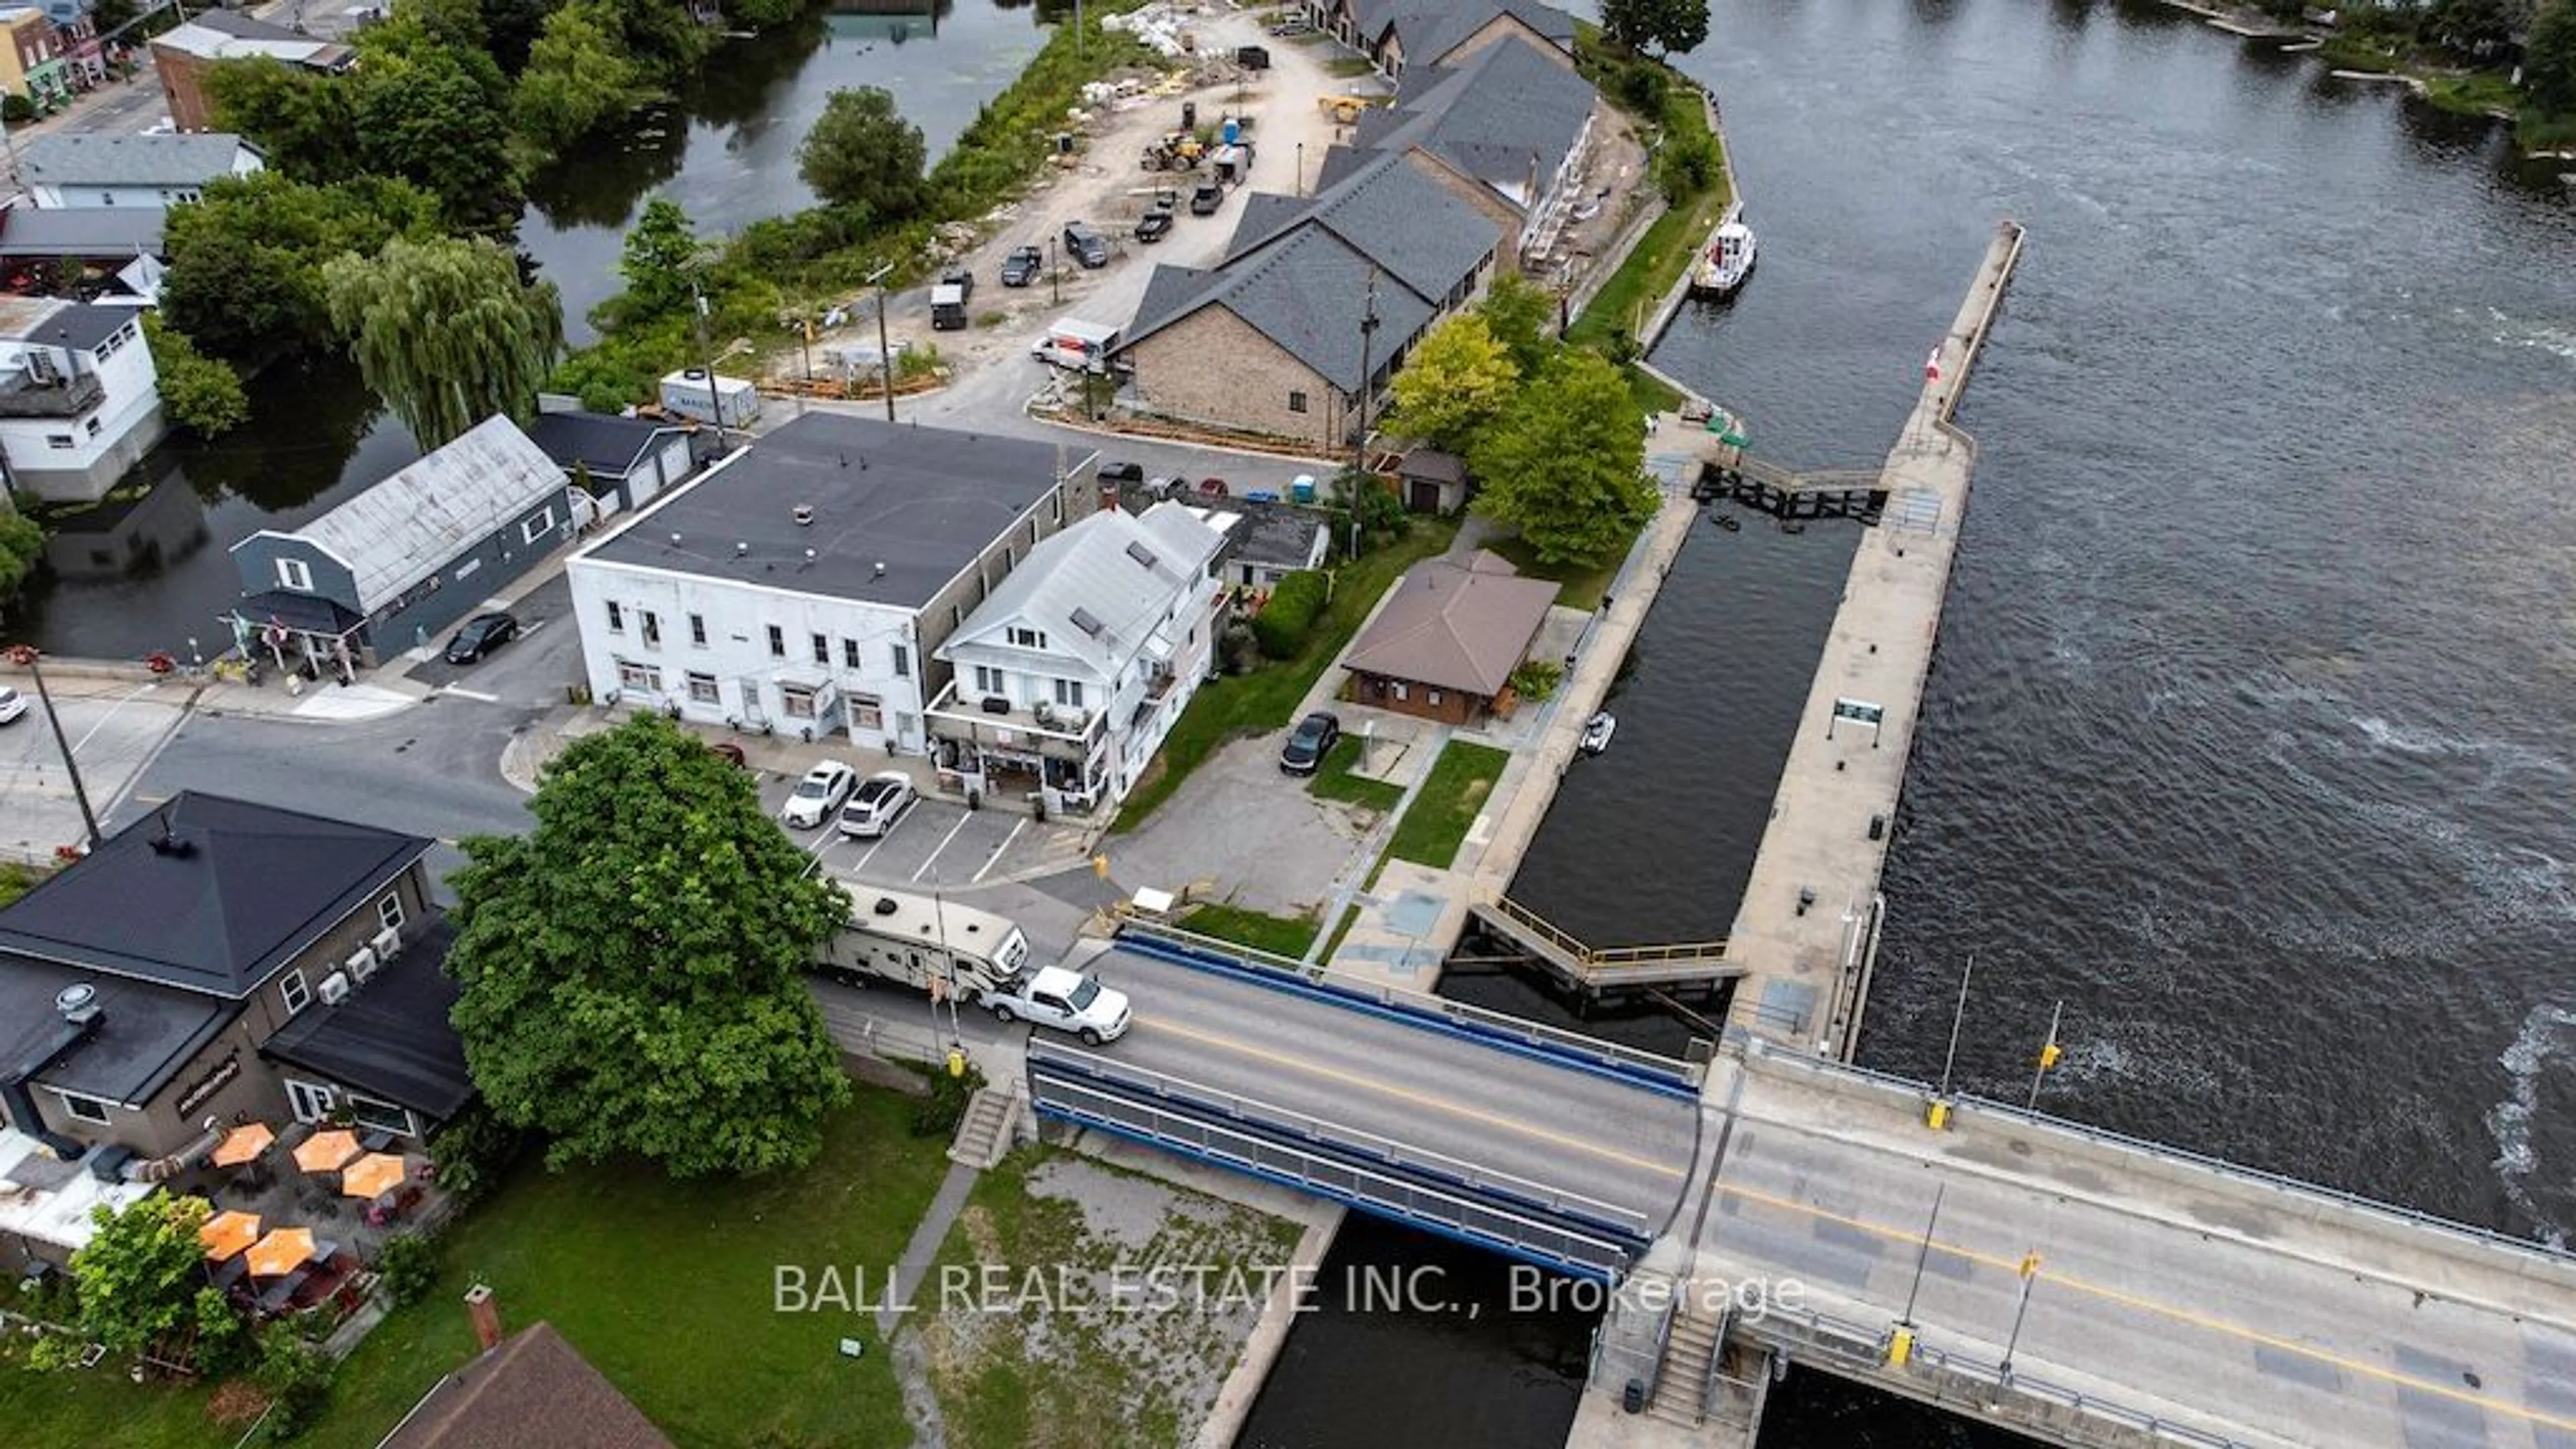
2209 1300
1567 1130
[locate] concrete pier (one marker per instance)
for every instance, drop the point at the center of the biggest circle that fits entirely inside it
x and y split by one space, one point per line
1807 928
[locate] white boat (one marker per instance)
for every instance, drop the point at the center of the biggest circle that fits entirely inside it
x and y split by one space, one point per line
1726 263
1597 731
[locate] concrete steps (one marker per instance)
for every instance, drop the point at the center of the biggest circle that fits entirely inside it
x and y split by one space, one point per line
1688 1352
991 1124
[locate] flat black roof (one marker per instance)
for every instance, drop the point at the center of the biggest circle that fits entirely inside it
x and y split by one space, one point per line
245 889
391 1037
918 502
145 1032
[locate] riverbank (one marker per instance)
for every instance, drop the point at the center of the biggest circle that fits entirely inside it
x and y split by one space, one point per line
2358 55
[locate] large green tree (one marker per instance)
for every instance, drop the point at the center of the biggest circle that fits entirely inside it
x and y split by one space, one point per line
303 122
632 970
660 250
1566 462
142 1280
1669 26
2549 59
201 394
245 280
578 76
862 152
1521 316
22 542
446 331
1453 383
436 117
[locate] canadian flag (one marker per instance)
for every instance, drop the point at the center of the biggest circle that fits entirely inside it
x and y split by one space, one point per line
1932 366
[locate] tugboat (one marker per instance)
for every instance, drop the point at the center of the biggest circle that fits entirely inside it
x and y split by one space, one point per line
1726 263
1597 731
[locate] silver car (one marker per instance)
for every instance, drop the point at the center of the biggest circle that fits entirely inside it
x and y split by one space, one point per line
819 794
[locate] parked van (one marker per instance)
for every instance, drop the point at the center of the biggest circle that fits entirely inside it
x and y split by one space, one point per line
917 940
948 301
1076 344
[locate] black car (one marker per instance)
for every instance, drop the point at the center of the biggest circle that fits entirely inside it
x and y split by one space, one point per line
1154 225
1205 200
1312 739
1122 473
1022 266
1086 246
481 635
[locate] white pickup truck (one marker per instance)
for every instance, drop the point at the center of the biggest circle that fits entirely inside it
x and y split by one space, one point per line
1065 1000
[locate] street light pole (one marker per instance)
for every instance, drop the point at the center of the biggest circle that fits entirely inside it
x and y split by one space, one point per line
1924 1255
2029 1275
2049 1052
25 655
1957 1015
885 355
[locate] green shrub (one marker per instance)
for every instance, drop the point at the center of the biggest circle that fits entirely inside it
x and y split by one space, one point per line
945 1107
472 1151
1536 679
1281 626
408 1266
296 1376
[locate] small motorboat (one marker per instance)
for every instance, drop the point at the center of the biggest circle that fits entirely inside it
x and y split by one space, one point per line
1597 731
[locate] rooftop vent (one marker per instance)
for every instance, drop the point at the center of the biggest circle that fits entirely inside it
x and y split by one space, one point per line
880 568
809 555
740 548
78 1003
1141 554
675 540
804 514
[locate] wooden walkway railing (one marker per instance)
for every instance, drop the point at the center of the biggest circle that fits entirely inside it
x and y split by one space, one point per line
1597 967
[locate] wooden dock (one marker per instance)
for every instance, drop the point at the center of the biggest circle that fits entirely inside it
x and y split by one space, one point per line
1807 931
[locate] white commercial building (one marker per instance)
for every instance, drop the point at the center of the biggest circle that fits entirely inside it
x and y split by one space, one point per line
80 401
1068 678
804 583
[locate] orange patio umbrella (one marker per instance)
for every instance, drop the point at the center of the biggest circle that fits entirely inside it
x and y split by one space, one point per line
282 1251
227 1233
324 1151
373 1175
242 1144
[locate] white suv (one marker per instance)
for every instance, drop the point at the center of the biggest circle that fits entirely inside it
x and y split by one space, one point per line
1066 1000
819 794
880 801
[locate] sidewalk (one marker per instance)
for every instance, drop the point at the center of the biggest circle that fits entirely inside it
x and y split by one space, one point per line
374 698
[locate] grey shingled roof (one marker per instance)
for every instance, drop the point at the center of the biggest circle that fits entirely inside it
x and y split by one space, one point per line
1402 220
920 502
407 527
81 231
1167 291
391 1037
610 447
1452 627
95 160
1492 116
1430 29
1265 212
76 325
535 1389
1305 294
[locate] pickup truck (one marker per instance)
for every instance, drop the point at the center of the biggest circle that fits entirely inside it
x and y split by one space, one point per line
1065 1000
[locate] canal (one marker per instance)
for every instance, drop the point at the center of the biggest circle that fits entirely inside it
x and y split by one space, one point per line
152 570
2247 734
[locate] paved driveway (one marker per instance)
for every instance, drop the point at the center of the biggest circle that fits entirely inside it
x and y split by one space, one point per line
531 670
1266 843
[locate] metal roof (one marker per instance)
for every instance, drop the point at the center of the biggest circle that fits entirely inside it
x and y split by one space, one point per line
407 527
1454 626
898 509
1120 571
248 888
177 159
81 231
219 34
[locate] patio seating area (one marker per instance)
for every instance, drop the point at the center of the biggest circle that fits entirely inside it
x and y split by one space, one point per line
301 1217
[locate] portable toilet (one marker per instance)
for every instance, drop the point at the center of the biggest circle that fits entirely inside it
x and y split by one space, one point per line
1301 489
1233 130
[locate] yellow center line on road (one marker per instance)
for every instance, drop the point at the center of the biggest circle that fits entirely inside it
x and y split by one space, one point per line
2011 1263
1419 1099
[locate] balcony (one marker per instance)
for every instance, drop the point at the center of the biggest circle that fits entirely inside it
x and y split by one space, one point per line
995 721
23 397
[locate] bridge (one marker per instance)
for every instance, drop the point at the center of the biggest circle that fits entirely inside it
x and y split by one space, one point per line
1597 970
2067 1283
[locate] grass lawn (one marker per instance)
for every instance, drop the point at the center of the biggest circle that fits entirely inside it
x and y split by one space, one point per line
667 1289
1279 935
1579 586
1334 780
1349 67
1012 1368
1249 704
1341 928
1446 805
98 1409
1662 254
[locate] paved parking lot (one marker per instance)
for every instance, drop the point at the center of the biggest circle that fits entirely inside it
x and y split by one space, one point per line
115 728
531 670
1267 843
936 843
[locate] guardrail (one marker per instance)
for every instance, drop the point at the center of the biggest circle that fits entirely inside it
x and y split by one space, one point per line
1590 960
1162 1086
1551 1245
2394 1213
1188 948
1946 1376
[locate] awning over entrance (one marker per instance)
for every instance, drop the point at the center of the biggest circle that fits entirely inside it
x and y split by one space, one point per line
303 613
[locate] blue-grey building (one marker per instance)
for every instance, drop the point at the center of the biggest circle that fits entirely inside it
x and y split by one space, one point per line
397 564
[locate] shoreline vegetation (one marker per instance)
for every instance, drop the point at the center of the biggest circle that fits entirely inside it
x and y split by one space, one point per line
2393 43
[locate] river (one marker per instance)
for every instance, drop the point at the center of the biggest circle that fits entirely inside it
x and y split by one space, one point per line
152 570
2248 735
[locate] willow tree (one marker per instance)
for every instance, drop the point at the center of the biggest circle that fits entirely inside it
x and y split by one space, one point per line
446 331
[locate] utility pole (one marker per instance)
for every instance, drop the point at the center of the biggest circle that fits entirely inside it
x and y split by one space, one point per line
1359 444
715 393
2049 1052
1301 168
885 355
1055 276
25 656
1957 1015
